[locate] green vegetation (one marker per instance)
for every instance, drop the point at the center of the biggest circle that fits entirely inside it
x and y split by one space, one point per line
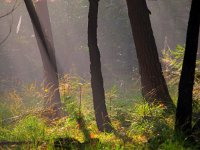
172 61
137 124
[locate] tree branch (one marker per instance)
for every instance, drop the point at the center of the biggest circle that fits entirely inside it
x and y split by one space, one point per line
11 11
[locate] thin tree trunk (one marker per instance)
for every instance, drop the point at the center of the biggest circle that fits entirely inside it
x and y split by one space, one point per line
101 114
184 106
154 88
42 29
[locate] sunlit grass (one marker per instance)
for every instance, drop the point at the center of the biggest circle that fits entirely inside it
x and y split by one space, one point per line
137 125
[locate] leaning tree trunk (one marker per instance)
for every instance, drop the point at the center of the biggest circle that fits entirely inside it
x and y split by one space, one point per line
184 106
44 38
154 88
101 114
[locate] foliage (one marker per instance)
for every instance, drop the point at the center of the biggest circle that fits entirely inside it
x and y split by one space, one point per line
30 128
172 64
138 125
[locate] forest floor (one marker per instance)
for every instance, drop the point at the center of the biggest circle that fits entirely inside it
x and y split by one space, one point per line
137 125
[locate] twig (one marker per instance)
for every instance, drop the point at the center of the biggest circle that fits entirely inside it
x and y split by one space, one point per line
16 118
11 11
10 30
15 143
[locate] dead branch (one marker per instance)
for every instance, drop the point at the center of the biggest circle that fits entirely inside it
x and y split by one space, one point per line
11 11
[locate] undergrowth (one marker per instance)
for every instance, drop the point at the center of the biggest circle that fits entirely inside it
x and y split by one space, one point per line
137 125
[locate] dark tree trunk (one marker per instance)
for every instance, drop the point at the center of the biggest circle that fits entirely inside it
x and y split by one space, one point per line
44 38
154 88
101 114
184 106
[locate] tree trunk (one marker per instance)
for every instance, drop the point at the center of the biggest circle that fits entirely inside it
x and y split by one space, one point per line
154 88
184 106
101 114
42 29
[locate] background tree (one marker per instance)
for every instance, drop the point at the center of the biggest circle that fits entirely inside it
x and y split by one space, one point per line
184 106
169 19
118 55
154 88
101 114
42 29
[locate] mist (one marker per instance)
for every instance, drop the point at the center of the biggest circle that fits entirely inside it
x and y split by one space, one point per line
73 70
20 52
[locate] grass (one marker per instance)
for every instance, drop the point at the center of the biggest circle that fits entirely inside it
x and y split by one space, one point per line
138 125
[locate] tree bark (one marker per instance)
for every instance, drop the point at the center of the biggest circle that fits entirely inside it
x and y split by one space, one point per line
101 114
184 106
42 29
154 88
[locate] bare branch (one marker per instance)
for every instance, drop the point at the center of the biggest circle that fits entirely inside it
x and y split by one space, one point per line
10 30
11 11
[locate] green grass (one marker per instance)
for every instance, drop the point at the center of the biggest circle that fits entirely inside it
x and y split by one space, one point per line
138 125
